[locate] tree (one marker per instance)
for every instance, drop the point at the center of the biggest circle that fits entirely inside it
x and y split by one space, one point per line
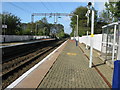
81 12
117 13
40 27
44 20
111 12
13 23
60 31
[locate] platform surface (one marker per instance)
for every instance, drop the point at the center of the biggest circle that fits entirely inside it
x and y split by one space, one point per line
71 71
68 68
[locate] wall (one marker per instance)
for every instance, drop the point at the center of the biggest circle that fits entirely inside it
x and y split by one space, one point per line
11 38
97 39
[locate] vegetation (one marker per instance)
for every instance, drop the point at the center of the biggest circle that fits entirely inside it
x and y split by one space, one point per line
109 15
111 12
41 27
83 28
12 22
82 21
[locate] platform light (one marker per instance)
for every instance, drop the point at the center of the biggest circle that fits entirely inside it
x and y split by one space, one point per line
89 5
77 40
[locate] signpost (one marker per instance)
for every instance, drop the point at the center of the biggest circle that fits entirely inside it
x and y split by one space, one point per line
4 27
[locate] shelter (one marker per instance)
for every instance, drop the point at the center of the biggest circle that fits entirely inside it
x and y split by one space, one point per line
110 41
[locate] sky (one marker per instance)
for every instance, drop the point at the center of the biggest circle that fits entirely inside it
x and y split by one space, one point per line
24 10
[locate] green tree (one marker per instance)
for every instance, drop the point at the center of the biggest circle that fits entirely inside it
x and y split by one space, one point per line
13 23
111 12
80 11
44 20
117 13
83 28
42 27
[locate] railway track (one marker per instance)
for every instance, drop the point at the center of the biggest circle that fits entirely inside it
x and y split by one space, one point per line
11 53
11 70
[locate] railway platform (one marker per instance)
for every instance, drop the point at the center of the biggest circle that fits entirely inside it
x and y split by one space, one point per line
10 44
67 67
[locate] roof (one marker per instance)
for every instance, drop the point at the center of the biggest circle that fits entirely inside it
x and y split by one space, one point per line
115 23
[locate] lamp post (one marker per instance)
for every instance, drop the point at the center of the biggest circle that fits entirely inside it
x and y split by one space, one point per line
77 32
91 7
74 34
77 37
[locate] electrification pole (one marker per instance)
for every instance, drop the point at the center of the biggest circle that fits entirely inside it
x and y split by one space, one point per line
4 27
32 20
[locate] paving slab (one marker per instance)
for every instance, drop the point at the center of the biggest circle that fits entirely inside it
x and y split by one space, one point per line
71 70
105 69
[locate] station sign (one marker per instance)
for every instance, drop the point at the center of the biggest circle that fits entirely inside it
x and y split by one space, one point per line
4 26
